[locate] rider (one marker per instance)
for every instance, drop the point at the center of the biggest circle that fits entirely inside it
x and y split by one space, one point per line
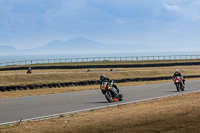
177 73
103 80
29 70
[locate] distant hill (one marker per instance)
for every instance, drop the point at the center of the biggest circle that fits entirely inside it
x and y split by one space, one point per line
7 50
80 45
83 45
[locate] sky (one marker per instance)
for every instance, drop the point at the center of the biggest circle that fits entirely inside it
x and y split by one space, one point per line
33 23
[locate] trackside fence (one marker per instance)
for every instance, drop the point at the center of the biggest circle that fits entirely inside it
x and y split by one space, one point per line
90 59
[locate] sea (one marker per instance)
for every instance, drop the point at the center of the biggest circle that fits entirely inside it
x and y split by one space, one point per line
13 58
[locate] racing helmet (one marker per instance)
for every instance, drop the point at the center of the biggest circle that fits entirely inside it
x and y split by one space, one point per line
176 71
102 77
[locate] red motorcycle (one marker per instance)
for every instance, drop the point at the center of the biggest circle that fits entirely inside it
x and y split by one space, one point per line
179 83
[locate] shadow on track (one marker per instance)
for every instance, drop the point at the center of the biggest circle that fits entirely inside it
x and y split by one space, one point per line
98 102
174 91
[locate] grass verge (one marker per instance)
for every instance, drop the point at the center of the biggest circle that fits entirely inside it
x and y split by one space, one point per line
55 76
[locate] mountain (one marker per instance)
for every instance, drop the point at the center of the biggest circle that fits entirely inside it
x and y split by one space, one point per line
82 45
7 50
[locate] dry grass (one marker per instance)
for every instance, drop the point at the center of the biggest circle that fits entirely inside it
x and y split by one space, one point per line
52 76
177 114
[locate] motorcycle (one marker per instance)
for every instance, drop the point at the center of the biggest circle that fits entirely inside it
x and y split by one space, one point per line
109 89
179 83
29 71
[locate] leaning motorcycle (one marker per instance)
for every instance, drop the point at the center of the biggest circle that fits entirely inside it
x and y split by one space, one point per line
179 83
29 71
109 89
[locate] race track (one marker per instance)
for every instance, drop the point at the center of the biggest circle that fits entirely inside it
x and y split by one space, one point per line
34 107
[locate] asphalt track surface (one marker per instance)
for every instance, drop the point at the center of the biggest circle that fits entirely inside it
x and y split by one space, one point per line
36 107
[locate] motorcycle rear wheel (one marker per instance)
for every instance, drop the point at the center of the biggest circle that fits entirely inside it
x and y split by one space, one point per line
120 99
120 96
183 87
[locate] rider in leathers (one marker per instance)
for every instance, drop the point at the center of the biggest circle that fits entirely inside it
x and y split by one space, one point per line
177 73
103 80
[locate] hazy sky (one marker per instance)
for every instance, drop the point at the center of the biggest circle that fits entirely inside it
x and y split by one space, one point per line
32 23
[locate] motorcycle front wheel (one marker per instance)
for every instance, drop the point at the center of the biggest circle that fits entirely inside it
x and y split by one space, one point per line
178 87
108 96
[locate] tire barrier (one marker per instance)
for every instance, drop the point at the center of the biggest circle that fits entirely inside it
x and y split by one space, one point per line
84 83
104 66
2 88
30 86
8 88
